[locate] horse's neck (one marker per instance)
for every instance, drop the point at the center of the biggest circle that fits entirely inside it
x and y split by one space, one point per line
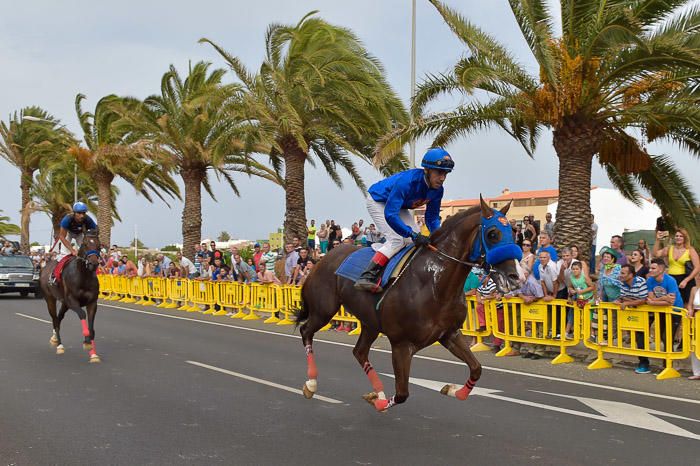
457 244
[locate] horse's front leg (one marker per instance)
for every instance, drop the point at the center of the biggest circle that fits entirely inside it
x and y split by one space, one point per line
74 304
361 352
401 356
90 339
56 319
456 345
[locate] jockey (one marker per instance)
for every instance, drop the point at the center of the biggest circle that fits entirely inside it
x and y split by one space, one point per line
74 226
388 203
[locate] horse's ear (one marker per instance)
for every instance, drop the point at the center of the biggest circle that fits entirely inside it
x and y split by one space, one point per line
486 211
504 209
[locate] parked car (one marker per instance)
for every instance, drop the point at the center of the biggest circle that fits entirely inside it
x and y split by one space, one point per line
18 275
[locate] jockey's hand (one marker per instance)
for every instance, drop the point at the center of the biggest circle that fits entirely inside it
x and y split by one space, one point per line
420 240
74 252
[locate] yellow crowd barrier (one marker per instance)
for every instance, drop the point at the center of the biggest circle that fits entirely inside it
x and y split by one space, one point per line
537 323
623 331
476 325
605 328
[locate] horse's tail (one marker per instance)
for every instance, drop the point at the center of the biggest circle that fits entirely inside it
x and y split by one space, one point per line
301 313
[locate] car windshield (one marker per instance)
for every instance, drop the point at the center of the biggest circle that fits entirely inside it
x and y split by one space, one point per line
15 261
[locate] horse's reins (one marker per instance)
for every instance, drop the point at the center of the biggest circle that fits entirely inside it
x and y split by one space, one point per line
444 254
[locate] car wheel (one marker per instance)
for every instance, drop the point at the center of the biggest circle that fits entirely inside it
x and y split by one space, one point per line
24 294
38 294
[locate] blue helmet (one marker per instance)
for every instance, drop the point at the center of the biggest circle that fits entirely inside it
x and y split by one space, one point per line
438 159
80 208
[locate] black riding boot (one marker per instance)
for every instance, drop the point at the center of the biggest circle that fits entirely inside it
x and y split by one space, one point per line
370 280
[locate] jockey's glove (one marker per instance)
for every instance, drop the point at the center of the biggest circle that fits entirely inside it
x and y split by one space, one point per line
419 239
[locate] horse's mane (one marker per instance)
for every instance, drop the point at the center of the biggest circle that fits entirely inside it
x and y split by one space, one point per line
449 224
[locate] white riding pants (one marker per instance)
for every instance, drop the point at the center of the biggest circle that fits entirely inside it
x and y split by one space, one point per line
61 250
394 242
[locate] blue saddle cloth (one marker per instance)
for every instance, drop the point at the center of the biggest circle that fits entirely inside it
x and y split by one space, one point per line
356 263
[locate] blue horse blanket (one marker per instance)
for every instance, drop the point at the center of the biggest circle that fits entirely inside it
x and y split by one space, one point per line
356 263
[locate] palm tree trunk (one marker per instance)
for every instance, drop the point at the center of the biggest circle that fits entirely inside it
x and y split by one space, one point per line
575 146
25 186
295 200
192 213
103 179
56 217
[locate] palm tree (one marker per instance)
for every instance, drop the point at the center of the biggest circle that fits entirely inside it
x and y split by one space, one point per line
52 192
317 93
110 152
621 75
190 124
28 140
7 228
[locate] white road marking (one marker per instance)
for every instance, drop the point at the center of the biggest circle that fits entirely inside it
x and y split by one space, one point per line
261 381
33 318
418 356
611 411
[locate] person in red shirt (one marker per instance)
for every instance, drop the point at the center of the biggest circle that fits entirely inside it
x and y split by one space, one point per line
257 254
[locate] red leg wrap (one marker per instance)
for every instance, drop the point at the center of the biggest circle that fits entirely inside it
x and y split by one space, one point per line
311 370
86 330
464 392
380 259
377 384
92 352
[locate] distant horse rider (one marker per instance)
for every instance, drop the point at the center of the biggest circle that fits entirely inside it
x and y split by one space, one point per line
73 227
388 203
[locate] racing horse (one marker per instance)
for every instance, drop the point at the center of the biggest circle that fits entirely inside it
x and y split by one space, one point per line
425 304
77 288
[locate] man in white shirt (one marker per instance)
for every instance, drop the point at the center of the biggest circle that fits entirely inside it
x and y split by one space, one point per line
551 285
188 266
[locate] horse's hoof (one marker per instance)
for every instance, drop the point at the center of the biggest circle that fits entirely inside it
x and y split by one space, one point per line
95 359
308 394
446 389
381 405
53 341
370 397
60 349
87 346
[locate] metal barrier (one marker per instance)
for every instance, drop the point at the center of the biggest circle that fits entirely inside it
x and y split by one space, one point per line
344 316
290 300
696 333
204 293
540 323
105 282
232 297
155 288
623 330
475 325
264 298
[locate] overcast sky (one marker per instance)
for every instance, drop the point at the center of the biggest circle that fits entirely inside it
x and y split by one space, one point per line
50 51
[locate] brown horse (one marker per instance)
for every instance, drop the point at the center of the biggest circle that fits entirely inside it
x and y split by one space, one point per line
426 304
78 288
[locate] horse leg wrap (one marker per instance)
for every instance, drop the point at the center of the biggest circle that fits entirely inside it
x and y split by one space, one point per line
86 330
377 384
311 370
464 392
92 352
383 405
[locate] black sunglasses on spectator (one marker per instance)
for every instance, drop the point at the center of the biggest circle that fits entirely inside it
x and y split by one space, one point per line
527 244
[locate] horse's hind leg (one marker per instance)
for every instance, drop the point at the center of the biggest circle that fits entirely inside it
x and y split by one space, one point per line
91 311
319 316
456 345
401 355
56 318
361 353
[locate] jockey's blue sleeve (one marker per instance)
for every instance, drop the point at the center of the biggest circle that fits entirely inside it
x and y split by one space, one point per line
65 222
432 214
393 205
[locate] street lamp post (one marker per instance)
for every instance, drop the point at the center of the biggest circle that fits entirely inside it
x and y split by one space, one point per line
75 164
413 76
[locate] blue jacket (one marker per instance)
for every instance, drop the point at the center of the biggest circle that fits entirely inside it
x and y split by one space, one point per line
408 190
69 224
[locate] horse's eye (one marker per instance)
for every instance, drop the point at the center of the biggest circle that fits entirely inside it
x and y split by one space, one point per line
493 235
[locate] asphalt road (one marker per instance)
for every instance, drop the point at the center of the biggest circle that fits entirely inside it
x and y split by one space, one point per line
180 388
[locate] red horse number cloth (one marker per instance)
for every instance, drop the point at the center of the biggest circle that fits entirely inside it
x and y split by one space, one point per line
59 267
